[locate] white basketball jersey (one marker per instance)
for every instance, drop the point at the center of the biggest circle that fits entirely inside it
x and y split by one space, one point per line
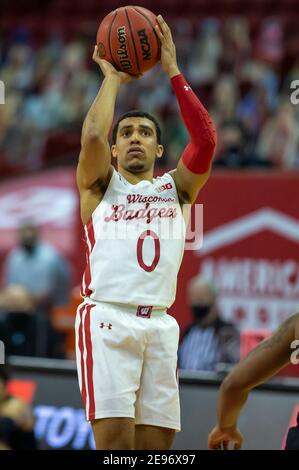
135 243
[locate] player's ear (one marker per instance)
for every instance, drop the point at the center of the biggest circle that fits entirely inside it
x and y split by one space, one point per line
113 151
159 151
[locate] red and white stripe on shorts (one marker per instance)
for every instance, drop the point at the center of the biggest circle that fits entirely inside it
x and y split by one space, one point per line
90 242
86 361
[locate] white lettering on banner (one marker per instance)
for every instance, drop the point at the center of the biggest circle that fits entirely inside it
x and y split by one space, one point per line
63 427
41 205
253 277
254 293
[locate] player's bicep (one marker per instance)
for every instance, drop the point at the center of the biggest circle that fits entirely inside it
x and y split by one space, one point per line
94 161
266 359
188 184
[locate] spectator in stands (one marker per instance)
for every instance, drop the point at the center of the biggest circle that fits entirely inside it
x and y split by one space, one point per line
16 419
234 149
36 279
238 63
209 340
279 140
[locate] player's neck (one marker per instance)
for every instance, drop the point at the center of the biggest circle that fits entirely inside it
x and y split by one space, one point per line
134 178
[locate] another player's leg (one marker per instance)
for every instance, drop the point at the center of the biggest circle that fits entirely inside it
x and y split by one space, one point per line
153 437
114 433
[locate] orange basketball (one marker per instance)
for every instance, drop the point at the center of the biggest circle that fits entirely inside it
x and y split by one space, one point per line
127 39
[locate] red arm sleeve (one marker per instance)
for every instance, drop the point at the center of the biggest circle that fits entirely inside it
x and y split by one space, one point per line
198 154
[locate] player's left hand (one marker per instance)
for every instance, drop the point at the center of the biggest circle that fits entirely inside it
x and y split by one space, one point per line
220 440
168 51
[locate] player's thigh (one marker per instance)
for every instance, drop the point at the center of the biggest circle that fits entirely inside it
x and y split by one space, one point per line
153 437
114 433
157 401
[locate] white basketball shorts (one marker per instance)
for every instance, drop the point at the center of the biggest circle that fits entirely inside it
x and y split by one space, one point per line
127 364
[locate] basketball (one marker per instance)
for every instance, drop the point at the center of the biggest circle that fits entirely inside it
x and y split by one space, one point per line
127 39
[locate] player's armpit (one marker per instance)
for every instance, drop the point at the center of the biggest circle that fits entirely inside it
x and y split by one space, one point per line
94 161
188 184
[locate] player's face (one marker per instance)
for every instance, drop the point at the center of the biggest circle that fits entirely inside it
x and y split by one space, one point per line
136 147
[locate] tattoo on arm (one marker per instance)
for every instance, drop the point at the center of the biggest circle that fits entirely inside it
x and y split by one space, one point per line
275 339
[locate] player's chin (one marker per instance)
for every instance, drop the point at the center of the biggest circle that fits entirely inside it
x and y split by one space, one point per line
136 166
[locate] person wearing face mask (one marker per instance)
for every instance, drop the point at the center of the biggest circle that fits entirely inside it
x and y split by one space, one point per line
235 148
209 339
36 279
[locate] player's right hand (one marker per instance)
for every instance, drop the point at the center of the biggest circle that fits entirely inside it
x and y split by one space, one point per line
108 68
220 440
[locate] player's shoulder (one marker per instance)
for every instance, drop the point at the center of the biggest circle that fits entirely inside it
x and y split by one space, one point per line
166 181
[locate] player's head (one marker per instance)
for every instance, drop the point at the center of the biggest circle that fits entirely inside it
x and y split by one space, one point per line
136 141
28 237
203 299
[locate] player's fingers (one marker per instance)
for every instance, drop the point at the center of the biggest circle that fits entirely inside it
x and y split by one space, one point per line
163 26
238 445
225 445
159 33
95 52
214 445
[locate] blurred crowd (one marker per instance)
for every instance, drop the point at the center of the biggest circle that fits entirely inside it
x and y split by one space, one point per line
242 78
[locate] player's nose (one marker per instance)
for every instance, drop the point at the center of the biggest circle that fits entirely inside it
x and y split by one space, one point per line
135 139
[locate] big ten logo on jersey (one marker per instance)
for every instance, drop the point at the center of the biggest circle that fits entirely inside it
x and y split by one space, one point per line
164 187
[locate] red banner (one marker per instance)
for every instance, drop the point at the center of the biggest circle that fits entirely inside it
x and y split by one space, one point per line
250 248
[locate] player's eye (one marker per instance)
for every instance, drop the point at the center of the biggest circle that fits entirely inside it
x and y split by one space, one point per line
126 133
145 132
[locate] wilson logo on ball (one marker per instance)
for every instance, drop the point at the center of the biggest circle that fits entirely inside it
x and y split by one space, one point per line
129 39
122 51
145 45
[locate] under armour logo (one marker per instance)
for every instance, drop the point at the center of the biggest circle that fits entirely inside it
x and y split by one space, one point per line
103 325
187 88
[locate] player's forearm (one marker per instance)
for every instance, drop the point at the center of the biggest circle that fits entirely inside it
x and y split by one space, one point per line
230 403
200 127
99 118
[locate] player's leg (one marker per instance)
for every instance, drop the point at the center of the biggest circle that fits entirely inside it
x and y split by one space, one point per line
157 414
109 362
153 437
114 433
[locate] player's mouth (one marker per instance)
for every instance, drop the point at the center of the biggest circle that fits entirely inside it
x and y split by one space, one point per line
135 151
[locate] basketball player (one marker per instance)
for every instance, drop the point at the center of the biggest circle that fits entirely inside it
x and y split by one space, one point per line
126 342
264 361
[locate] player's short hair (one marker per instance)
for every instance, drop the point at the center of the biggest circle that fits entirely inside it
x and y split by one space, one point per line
137 113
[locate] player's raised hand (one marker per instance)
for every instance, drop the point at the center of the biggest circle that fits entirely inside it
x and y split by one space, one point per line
108 68
168 50
220 440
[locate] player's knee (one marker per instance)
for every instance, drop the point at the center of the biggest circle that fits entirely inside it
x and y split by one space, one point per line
112 437
168 439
